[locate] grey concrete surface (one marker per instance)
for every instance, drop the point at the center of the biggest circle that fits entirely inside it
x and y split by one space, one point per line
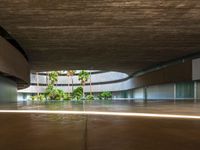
8 90
13 64
118 35
77 132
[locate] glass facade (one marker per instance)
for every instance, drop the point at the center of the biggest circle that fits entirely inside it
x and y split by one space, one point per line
185 90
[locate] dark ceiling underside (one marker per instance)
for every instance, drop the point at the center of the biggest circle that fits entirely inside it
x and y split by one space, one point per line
124 35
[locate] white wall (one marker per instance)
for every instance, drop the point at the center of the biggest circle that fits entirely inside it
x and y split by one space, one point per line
99 77
119 86
138 93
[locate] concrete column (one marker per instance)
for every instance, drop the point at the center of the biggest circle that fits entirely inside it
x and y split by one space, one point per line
8 90
195 92
145 94
174 92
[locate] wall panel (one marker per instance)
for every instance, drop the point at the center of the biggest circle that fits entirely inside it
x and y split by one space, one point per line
165 91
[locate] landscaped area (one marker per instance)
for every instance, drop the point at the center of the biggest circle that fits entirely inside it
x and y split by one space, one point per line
78 93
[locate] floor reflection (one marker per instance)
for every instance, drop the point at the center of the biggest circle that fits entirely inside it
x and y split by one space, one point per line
99 132
167 107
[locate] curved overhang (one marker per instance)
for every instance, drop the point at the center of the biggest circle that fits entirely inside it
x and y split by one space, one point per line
13 64
116 36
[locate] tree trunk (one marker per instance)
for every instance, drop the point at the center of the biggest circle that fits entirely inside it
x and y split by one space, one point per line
90 84
72 83
68 84
48 79
37 81
83 90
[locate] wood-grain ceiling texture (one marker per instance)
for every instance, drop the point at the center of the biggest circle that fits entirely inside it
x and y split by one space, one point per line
123 35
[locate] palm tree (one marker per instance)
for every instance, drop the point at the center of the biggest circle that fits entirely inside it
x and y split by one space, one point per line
68 84
37 82
71 73
53 77
47 78
83 77
90 83
61 72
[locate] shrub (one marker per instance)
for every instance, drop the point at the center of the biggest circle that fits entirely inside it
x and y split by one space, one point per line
77 94
52 93
90 97
105 95
39 97
67 96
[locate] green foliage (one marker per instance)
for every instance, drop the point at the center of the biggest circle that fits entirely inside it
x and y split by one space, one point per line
39 97
70 73
90 97
52 93
67 96
59 94
48 91
105 95
77 94
83 76
53 77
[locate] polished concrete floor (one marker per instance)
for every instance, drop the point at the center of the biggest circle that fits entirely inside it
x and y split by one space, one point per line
99 132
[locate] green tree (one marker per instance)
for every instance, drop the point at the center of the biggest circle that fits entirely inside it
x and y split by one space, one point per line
71 73
83 76
37 83
52 93
53 77
90 83
77 94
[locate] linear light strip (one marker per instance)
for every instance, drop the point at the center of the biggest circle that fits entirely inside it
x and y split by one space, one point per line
101 113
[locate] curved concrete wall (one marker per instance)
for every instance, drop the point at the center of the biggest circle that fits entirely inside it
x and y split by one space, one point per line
95 78
120 82
13 64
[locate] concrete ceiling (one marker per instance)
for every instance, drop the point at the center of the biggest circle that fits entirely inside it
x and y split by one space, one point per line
124 35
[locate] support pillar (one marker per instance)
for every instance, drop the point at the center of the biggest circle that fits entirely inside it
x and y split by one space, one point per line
174 92
8 90
145 94
195 92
